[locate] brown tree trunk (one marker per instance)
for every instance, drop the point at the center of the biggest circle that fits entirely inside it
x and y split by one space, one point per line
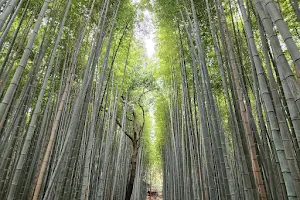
132 172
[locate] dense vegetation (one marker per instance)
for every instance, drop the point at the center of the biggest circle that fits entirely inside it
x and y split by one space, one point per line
86 114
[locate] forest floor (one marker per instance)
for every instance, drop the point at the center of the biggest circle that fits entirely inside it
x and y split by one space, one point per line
156 192
154 198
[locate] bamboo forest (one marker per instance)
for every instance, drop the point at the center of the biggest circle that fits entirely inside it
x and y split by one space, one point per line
149 99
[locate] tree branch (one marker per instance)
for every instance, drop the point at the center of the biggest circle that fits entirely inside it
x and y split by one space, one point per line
143 111
120 125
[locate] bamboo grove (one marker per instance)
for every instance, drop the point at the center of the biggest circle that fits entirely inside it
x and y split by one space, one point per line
80 99
229 123
72 117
